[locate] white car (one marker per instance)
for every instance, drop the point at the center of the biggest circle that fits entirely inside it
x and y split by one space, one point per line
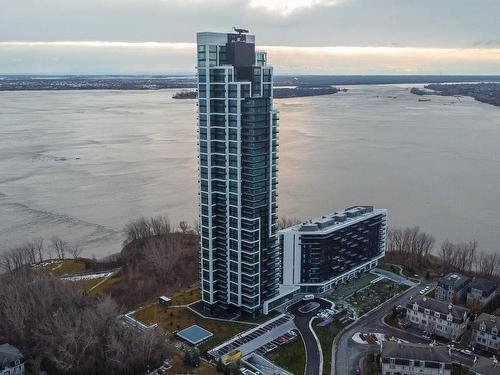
465 351
422 291
308 297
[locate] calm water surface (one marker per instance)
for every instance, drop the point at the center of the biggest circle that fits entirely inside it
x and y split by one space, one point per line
81 164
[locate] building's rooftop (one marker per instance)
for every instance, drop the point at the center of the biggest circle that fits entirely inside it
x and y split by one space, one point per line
441 307
484 285
208 37
337 220
194 334
490 321
454 280
419 352
9 354
485 366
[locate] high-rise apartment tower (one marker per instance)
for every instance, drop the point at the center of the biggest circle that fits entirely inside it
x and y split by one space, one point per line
238 153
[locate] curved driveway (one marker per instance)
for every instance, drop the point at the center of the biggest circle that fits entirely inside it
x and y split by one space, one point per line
314 358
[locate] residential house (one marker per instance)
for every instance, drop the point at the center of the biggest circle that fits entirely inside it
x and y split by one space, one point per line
452 288
436 317
11 360
482 290
485 333
410 359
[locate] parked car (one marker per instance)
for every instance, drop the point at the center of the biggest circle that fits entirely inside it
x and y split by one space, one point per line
308 297
466 352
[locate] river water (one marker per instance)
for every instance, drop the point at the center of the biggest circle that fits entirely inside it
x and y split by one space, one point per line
81 164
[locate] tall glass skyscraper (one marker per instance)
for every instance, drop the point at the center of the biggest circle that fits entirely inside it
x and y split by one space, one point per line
238 153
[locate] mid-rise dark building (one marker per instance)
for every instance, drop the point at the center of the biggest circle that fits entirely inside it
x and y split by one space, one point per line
322 253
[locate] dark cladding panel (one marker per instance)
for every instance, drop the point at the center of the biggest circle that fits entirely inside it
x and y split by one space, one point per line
240 54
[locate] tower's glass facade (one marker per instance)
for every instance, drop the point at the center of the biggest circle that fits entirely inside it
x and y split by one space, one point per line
238 148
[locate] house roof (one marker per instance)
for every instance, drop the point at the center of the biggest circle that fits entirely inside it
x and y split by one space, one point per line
484 285
420 352
441 307
489 321
454 280
485 366
9 354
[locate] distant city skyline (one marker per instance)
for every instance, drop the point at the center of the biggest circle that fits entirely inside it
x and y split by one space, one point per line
325 36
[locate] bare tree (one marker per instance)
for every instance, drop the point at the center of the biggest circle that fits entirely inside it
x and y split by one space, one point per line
162 253
488 265
144 228
447 254
458 256
288 221
62 330
410 243
6 262
59 246
160 225
184 226
75 251
196 227
39 249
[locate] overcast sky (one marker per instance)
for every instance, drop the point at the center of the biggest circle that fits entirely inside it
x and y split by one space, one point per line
302 36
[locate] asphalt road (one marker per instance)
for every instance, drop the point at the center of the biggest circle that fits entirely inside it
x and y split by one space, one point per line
348 353
301 320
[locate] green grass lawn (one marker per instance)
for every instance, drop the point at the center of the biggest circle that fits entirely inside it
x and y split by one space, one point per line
88 284
66 267
101 288
291 357
176 318
178 367
391 320
326 335
431 293
185 297
390 267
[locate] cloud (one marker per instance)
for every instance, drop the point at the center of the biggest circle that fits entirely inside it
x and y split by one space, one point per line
163 30
443 23
103 57
285 7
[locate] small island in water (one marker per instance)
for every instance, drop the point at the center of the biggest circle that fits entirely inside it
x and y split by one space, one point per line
482 92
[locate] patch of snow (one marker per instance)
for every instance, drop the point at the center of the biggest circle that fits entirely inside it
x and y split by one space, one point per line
90 276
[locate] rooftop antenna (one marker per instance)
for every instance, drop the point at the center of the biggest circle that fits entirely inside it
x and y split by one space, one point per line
240 31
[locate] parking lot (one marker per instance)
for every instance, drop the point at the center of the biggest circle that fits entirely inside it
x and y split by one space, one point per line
261 339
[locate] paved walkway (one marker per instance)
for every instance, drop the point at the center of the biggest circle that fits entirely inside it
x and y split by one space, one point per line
392 276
